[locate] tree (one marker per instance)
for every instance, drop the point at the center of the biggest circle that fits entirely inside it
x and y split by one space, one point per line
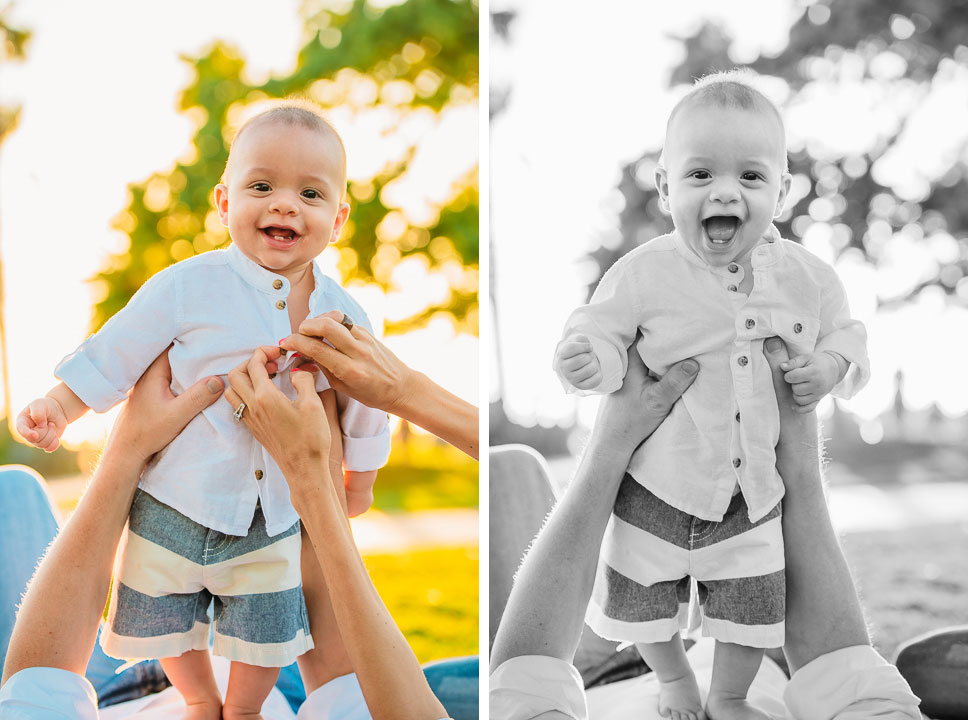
411 58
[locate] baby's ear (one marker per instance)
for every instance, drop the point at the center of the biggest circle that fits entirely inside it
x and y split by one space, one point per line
222 203
662 185
785 182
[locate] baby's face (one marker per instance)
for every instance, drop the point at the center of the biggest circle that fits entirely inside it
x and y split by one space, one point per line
282 200
723 180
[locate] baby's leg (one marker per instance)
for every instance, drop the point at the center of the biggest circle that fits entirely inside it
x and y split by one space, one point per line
359 491
191 674
249 686
734 667
678 692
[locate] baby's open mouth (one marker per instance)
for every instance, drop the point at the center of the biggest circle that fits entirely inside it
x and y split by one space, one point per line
721 228
280 234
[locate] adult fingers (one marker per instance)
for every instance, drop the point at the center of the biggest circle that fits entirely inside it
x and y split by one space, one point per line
323 354
305 384
776 357
198 397
329 326
670 387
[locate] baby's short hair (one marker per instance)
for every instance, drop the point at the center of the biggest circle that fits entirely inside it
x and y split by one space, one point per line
731 89
291 111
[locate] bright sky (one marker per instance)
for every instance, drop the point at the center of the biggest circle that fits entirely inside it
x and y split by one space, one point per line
578 113
99 113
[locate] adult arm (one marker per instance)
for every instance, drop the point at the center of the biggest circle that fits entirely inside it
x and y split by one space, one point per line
359 365
298 436
823 612
58 619
546 608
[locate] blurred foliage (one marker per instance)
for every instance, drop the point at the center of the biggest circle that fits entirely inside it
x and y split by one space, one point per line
417 57
424 473
894 52
433 597
14 47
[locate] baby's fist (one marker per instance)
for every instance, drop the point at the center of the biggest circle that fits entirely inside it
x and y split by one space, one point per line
42 423
575 359
811 377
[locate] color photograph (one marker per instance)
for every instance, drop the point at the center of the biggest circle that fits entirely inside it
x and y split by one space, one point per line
239 304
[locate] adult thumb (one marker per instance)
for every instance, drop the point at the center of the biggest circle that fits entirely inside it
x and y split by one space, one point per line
200 395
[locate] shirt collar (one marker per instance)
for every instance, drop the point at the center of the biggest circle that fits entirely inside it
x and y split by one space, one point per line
766 253
256 275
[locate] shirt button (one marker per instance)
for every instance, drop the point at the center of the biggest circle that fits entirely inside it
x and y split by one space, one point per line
742 360
732 288
733 267
277 284
281 304
258 474
737 462
737 417
798 328
750 322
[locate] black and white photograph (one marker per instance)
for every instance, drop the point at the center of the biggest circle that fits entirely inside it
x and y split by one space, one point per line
727 405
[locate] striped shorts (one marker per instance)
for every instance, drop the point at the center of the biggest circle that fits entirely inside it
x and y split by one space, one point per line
650 552
169 571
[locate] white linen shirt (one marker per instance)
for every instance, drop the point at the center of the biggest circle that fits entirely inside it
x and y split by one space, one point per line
725 429
216 308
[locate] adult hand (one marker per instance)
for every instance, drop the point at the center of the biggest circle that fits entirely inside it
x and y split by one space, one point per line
153 415
354 362
296 433
629 415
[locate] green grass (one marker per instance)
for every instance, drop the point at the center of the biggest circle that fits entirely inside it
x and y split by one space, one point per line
433 597
911 581
424 474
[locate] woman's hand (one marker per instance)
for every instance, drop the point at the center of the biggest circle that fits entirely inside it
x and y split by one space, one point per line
296 433
153 415
354 362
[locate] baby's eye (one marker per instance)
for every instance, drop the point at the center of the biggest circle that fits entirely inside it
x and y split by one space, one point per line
750 176
261 187
700 174
311 194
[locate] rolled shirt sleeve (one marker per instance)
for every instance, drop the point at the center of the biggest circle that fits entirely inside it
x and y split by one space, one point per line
610 320
854 683
528 686
108 364
840 333
43 692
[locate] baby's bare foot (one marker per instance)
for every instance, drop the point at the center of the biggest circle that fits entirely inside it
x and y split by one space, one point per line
721 707
679 699
234 712
203 710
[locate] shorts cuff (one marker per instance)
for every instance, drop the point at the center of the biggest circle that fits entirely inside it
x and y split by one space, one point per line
125 647
649 631
263 654
758 636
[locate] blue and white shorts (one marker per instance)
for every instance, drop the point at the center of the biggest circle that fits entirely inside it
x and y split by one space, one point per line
651 550
170 569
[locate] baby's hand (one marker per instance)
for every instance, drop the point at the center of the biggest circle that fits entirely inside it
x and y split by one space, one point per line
42 423
811 377
577 362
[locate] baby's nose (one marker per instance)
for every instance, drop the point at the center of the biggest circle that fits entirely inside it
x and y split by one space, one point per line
724 191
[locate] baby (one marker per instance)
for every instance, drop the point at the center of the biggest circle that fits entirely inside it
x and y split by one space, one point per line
212 518
701 498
